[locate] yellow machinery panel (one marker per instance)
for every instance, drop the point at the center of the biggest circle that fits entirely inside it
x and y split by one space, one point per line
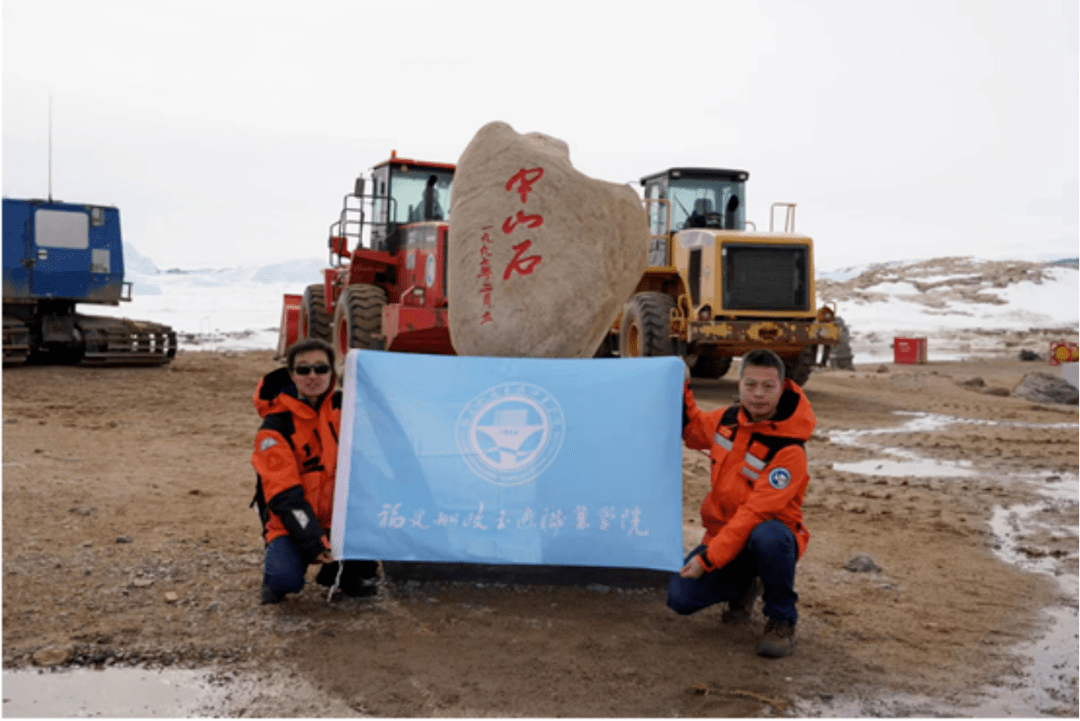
769 274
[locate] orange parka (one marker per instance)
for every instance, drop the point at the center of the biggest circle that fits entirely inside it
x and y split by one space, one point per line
758 471
296 458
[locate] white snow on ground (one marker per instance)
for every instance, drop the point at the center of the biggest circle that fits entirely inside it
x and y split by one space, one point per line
961 305
1058 294
1053 301
225 309
964 307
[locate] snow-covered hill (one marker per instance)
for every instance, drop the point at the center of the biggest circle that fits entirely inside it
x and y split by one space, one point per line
964 306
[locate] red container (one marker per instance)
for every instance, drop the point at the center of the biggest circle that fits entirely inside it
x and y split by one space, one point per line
909 350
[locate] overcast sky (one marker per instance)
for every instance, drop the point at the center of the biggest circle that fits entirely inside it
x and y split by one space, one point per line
228 132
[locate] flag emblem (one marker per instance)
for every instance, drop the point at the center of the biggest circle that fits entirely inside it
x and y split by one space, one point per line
510 433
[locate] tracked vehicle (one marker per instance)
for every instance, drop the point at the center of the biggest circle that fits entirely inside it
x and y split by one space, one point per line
57 255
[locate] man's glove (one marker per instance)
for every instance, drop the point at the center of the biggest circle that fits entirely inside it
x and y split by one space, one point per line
299 520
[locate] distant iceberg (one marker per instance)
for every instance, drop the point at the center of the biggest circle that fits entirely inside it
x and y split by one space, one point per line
303 272
137 264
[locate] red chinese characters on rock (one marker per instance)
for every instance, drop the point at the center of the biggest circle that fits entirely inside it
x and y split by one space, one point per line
522 264
524 179
531 221
485 274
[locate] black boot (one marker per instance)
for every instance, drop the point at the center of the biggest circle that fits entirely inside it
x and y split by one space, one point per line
358 578
327 574
739 610
270 596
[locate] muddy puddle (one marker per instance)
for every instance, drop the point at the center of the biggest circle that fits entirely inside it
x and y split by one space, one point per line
117 692
114 692
1047 684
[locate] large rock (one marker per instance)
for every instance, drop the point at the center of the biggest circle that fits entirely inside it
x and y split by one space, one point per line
1045 388
541 258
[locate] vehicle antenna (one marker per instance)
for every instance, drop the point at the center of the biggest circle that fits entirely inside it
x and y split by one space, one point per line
50 148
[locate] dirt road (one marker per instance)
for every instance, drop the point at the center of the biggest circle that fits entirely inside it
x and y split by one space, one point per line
127 539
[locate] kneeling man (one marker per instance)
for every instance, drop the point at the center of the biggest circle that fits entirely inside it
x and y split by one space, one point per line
753 514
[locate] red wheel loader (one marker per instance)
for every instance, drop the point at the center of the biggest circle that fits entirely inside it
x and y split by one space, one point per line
386 284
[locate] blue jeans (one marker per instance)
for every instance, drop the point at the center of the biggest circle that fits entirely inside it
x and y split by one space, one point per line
770 553
284 570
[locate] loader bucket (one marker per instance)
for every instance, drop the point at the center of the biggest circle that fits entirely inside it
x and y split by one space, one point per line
289 331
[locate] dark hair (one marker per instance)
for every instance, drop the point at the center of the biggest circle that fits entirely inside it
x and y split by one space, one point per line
763 358
306 344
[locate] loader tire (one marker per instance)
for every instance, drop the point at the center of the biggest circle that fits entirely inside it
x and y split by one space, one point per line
314 320
799 369
711 366
840 355
358 318
646 323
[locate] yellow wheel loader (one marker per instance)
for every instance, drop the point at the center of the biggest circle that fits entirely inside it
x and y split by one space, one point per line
714 289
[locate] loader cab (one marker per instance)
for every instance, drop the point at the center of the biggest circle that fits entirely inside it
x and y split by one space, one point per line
694 198
407 191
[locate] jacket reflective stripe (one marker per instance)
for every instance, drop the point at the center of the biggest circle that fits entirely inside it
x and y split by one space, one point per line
752 464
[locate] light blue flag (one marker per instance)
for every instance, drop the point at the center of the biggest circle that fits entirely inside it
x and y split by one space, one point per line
510 461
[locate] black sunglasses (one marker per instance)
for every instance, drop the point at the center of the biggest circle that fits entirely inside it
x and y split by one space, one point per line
319 370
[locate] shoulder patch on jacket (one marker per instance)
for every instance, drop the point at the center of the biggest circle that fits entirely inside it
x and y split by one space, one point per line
276 458
779 478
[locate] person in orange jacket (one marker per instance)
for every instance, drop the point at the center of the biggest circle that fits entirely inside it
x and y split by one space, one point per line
296 457
754 532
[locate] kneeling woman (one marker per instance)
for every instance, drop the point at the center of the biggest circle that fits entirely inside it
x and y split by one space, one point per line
296 458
